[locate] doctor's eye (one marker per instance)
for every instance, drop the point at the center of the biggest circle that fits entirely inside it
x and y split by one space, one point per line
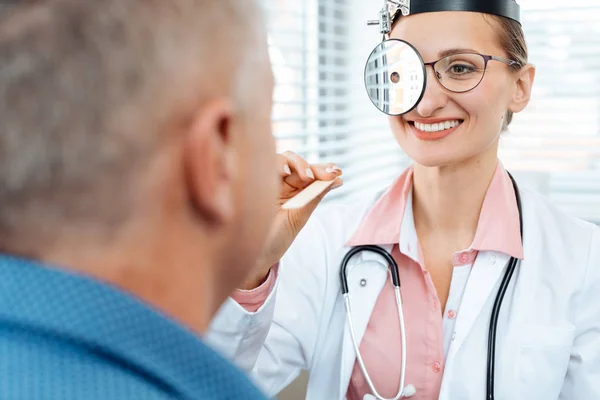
461 69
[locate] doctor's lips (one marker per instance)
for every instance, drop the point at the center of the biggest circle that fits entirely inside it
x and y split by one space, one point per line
434 129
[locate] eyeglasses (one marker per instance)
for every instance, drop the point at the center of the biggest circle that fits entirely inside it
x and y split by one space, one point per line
462 72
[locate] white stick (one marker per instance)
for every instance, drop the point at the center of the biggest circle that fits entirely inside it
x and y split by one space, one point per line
307 195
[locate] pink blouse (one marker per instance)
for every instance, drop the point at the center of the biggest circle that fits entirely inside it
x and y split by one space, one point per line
429 332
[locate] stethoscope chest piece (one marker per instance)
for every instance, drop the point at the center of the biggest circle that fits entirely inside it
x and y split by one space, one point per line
409 391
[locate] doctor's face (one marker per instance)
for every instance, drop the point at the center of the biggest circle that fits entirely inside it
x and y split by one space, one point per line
471 122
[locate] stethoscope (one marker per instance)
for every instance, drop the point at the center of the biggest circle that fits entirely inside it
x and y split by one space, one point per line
409 390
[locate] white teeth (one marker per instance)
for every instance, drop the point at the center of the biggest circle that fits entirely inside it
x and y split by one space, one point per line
436 127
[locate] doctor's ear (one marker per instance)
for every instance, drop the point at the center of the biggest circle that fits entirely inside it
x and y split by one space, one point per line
210 163
523 87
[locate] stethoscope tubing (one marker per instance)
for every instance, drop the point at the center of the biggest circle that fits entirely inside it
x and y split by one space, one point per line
346 295
491 353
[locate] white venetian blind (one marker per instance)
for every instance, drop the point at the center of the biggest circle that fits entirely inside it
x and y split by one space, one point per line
321 110
554 145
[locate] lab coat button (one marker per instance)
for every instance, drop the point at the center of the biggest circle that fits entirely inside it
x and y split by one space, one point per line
436 367
363 282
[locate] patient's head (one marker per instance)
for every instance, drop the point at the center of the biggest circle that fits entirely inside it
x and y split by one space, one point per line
135 140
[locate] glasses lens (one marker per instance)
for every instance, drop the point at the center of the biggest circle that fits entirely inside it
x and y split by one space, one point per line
395 77
460 72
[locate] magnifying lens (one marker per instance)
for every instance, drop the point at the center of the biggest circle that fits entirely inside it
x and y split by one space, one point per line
395 74
395 77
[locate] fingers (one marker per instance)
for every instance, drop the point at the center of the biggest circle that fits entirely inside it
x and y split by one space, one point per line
284 168
326 172
306 211
302 173
337 184
299 166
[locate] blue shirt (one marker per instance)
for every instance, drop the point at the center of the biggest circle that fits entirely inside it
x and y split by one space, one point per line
65 337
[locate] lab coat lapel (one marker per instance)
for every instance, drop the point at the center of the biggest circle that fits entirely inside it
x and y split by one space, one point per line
485 275
374 270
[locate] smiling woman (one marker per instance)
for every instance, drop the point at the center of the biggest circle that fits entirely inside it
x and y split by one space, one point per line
473 81
452 223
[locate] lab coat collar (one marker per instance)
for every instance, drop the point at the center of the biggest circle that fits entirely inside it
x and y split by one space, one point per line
390 220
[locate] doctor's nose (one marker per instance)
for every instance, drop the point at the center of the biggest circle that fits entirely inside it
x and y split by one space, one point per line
434 98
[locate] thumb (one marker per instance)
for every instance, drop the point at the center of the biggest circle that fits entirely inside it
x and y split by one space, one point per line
297 218
309 208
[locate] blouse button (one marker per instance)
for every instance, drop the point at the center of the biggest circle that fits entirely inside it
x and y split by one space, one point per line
451 314
463 258
436 367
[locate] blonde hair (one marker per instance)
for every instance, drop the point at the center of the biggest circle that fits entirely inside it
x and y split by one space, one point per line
512 41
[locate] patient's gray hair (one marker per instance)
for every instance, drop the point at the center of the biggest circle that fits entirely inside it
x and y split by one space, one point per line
87 91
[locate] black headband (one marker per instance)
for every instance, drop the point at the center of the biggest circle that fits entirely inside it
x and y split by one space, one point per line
503 8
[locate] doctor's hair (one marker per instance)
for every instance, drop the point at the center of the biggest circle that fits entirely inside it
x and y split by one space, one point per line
92 92
512 40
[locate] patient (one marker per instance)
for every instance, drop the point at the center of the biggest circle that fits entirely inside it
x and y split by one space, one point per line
133 136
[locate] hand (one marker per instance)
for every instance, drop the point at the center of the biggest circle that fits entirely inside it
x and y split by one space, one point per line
296 174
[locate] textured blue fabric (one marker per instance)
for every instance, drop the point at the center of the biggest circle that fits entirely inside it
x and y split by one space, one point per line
65 337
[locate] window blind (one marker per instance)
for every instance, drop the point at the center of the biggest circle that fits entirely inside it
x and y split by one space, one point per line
554 145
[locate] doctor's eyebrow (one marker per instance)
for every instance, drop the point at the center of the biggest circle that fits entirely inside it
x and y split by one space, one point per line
449 52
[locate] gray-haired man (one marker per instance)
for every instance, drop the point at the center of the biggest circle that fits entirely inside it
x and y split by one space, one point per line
137 177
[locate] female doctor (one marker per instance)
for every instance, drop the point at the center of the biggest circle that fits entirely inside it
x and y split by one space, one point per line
452 224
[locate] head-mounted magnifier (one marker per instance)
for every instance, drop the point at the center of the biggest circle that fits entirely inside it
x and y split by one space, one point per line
395 73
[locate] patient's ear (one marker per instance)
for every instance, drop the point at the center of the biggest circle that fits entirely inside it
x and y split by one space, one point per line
210 162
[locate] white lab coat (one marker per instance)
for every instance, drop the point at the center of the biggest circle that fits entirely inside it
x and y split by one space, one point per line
548 339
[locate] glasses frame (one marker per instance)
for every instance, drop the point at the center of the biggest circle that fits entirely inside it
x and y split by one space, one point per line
486 57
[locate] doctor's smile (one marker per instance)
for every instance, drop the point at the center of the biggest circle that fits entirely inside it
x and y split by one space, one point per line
452 283
434 129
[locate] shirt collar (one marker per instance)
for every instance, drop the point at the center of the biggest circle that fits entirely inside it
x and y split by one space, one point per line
499 227
390 220
100 318
383 222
